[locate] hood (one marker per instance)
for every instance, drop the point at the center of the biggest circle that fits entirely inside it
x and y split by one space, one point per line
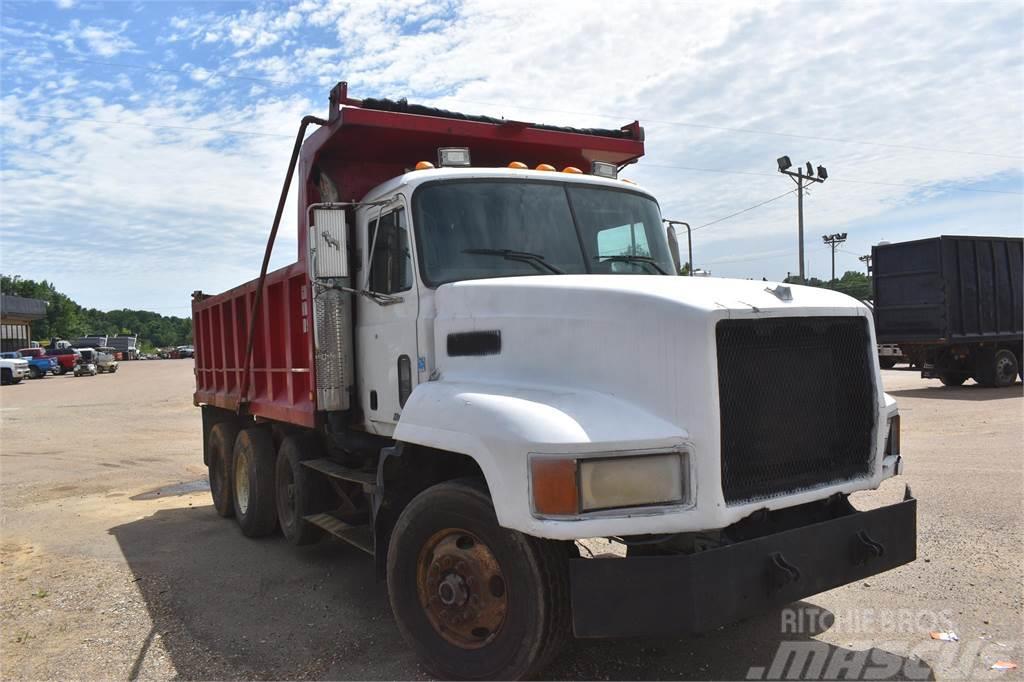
709 294
650 340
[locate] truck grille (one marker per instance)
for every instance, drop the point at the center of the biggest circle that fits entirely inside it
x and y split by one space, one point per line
797 403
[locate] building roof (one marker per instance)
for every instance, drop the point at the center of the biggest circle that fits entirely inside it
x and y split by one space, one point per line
18 308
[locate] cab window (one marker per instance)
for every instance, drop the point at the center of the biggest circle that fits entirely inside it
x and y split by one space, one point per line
391 259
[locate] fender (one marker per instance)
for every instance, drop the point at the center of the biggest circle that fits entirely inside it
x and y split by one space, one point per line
500 425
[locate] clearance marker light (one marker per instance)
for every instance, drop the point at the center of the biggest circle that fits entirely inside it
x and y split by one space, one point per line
545 167
604 169
571 169
518 164
424 165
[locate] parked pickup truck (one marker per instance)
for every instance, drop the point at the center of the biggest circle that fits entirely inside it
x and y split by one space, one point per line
484 356
67 358
12 369
38 365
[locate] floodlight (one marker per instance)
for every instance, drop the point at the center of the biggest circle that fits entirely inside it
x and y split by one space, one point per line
784 163
822 173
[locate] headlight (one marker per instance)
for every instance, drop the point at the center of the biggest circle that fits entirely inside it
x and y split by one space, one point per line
566 487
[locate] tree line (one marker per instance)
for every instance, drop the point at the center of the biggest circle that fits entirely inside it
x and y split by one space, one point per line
66 319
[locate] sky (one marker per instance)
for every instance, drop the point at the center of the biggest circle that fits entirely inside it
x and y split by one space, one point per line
143 145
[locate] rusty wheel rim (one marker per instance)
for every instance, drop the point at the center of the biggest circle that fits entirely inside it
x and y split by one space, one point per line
461 588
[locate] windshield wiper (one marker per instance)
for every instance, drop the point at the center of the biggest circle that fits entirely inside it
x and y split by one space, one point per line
626 258
534 259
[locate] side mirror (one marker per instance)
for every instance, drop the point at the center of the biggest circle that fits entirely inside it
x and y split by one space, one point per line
328 244
673 247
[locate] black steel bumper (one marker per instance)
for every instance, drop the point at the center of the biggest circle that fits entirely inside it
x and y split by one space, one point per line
665 595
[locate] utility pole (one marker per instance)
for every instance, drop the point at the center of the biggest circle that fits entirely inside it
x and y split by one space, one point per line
802 180
866 260
689 240
834 240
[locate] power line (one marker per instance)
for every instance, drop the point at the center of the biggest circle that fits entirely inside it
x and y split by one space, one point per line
749 208
687 124
831 179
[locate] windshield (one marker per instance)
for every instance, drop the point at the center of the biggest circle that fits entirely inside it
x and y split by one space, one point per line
499 228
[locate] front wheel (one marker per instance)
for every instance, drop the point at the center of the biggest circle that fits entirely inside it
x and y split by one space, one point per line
473 599
34 373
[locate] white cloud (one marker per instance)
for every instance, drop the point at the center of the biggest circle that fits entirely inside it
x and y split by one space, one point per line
199 203
65 4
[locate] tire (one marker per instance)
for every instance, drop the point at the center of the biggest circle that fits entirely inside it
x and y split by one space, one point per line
6 377
998 369
887 362
950 379
220 457
253 482
34 373
300 491
506 626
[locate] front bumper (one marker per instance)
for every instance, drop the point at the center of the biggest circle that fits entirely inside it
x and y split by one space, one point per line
686 593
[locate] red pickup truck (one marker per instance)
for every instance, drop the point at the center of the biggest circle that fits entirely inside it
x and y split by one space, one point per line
66 357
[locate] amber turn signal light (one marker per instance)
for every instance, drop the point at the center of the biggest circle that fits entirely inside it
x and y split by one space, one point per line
554 487
545 167
518 164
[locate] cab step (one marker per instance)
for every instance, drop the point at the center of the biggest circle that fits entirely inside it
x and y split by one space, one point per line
328 467
358 536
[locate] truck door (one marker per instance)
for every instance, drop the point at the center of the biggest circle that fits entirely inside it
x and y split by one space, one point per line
386 327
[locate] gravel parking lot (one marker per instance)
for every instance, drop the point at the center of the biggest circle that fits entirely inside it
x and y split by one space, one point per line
113 564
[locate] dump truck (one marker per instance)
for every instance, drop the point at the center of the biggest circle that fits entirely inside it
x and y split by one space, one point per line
484 357
954 306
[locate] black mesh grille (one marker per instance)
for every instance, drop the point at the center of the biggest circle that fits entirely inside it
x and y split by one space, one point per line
797 402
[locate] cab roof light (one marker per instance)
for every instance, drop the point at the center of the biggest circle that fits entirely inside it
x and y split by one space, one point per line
544 167
603 169
571 169
424 165
452 156
518 164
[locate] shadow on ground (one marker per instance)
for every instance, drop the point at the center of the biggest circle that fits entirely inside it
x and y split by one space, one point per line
969 392
228 607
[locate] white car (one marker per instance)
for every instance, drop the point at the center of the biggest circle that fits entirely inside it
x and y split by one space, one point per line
13 370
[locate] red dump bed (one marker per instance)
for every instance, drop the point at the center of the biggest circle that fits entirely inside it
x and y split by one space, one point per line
364 143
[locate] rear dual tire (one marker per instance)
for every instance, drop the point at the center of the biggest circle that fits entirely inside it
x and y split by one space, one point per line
253 482
220 465
300 491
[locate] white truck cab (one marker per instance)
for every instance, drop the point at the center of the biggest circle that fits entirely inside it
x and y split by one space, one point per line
474 367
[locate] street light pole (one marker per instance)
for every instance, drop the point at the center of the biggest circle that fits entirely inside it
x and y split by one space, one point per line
800 217
834 240
866 260
802 180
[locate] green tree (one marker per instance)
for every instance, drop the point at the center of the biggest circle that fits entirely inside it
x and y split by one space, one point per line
65 319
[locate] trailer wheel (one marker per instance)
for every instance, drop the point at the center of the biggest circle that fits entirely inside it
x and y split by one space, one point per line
998 369
952 379
474 600
300 491
253 475
220 451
